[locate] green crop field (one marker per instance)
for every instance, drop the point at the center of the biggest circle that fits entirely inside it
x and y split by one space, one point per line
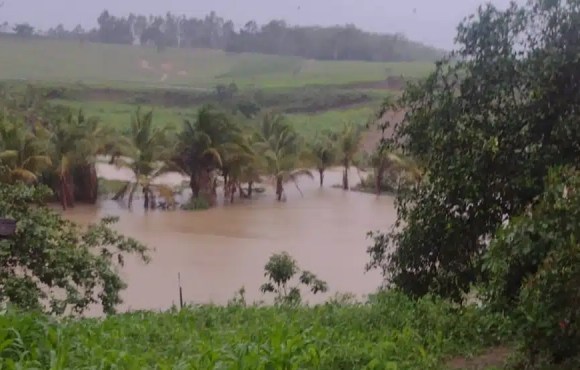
391 332
38 60
118 116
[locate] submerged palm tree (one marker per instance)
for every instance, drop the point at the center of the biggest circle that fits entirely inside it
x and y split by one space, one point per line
205 146
349 145
143 152
280 148
76 141
387 162
323 153
23 153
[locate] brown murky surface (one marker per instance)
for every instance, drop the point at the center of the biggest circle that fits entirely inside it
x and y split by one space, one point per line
220 250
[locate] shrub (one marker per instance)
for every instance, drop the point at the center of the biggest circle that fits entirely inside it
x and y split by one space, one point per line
533 266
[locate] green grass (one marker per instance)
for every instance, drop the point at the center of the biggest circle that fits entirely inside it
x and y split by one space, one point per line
117 65
118 116
310 124
392 332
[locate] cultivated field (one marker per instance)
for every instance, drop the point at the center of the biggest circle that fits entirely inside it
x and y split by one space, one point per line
135 66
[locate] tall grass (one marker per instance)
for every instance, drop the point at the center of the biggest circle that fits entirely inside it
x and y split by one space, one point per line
390 332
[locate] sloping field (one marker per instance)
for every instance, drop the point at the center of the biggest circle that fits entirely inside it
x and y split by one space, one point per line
101 64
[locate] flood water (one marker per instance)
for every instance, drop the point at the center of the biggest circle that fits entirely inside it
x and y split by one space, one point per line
220 250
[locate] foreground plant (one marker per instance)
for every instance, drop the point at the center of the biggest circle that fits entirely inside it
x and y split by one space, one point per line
280 270
55 266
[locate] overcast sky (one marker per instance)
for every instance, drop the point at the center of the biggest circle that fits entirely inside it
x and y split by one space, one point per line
429 21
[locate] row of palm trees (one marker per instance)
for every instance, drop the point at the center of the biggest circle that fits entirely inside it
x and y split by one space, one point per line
60 148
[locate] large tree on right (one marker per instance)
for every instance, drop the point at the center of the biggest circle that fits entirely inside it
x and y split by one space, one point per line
487 125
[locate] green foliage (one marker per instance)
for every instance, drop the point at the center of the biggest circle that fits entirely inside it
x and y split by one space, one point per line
280 270
534 271
487 125
53 265
389 332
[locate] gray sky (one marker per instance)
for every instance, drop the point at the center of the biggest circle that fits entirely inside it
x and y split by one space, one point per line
433 22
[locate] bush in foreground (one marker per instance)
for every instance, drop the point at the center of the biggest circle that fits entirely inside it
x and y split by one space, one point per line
389 332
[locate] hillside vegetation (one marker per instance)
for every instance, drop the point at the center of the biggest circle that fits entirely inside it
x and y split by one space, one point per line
37 60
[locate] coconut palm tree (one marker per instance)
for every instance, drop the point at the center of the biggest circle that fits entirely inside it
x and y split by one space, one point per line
280 148
387 162
323 155
207 145
143 152
23 153
348 145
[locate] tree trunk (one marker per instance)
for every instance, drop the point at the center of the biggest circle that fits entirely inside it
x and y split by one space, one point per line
378 180
232 191
250 185
279 189
194 184
62 187
146 197
345 179
131 194
321 172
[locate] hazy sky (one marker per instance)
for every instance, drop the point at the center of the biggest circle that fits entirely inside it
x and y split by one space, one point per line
433 21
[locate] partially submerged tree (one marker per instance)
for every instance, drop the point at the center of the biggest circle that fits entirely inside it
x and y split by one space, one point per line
53 265
323 154
144 153
280 270
281 148
23 155
349 140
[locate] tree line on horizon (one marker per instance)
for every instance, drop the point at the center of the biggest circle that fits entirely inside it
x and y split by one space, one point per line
214 32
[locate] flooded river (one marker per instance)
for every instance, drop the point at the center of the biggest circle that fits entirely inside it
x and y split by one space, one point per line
220 250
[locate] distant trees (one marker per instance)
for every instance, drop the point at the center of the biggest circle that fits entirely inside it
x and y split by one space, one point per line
276 37
23 30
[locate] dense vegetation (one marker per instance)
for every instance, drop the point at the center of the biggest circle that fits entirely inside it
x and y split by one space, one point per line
214 32
389 332
484 166
492 127
54 145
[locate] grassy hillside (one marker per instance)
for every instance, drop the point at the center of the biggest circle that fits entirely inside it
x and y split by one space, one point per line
117 65
392 332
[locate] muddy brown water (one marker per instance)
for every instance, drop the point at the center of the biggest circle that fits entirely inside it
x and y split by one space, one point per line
220 250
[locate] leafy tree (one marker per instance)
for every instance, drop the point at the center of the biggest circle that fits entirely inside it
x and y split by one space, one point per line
23 30
487 124
280 147
53 265
280 270
533 267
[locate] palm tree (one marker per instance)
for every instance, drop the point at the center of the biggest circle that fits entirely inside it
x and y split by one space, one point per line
23 153
209 144
387 162
280 148
348 144
144 153
75 143
323 153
